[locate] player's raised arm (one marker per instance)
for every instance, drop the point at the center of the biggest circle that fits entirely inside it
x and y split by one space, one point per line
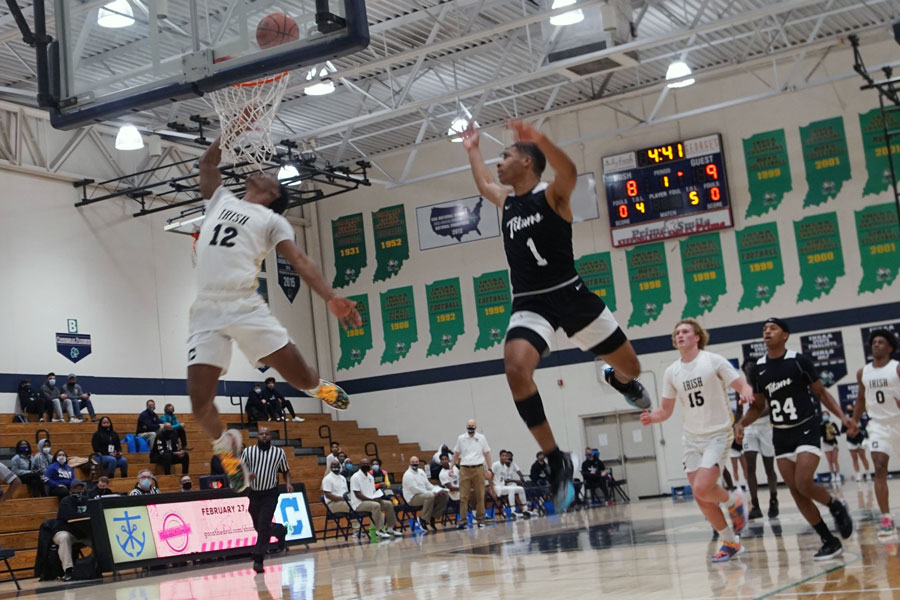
559 192
342 308
485 182
210 178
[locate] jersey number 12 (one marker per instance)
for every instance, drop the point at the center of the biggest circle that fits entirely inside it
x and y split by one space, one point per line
230 233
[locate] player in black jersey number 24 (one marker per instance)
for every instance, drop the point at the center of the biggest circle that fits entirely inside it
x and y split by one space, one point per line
548 294
787 382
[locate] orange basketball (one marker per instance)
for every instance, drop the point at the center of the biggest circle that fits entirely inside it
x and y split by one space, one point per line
276 29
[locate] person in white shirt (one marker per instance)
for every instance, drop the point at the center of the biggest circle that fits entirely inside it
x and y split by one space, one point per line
473 455
335 450
698 381
449 477
436 461
236 236
418 491
879 396
508 480
365 498
335 488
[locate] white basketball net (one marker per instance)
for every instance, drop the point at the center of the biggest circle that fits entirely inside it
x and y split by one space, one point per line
246 111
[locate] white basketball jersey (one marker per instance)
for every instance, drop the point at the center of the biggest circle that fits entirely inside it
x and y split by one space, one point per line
700 386
234 240
882 391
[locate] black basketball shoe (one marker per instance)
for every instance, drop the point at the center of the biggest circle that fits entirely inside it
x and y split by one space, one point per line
842 519
562 489
633 391
830 549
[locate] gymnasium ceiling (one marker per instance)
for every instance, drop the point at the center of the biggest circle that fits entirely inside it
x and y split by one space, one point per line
431 61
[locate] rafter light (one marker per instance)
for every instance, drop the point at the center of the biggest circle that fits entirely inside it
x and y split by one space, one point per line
129 138
568 18
115 15
678 75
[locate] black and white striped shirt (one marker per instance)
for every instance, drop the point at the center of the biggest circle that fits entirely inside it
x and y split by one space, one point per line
265 465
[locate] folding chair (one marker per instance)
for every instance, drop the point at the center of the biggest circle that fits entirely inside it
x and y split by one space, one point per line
451 513
6 554
336 518
615 486
403 508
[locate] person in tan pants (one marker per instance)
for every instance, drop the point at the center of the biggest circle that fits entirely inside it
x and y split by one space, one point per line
365 498
418 491
473 455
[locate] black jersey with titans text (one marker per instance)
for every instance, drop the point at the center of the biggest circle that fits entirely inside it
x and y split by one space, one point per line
785 384
538 243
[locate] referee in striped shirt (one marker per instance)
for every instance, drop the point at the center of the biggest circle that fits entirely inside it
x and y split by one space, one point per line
264 463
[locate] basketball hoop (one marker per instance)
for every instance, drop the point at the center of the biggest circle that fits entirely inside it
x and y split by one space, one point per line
246 111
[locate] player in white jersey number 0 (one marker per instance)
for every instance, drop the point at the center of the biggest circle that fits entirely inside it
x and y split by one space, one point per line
698 381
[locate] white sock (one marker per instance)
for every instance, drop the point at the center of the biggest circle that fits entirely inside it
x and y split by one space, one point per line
727 535
732 499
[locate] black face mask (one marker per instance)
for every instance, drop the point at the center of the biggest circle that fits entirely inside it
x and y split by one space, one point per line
470 429
186 486
335 469
263 445
365 468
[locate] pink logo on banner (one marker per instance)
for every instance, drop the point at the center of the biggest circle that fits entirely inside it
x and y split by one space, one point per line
175 533
201 525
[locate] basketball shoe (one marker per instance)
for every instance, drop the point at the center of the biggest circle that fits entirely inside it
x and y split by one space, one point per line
331 394
228 448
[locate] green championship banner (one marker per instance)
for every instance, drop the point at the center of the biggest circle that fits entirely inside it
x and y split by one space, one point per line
349 239
391 241
762 271
596 271
356 341
878 170
445 316
879 239
398 315
648 278
820 254
768 171
493 301
704 273
826 159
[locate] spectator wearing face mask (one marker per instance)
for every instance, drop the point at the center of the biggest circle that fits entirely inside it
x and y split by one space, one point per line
473 454
365 498
55 398
381 479
540 471
449 478
167 452
347 467
102 488
335 489
148 424
80 399
59 475
335 450
187 484
105 442
258 407
72 525
279 403
418 491
32 403
26 470
146 484
594 474
44 456
169 417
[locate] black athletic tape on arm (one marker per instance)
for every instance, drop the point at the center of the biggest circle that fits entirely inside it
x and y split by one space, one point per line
531 409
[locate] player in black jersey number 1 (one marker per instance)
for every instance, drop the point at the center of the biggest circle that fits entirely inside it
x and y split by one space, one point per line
787 381
548 294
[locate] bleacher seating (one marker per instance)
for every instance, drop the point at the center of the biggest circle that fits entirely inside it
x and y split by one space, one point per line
20 533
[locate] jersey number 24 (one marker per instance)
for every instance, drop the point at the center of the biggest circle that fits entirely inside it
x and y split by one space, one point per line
779 410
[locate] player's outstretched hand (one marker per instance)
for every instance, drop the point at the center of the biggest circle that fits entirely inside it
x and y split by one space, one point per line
850 424
747 397
525 132
470 136
738 433
345 311
645 418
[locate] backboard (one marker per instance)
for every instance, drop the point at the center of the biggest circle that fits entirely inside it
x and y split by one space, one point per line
166 51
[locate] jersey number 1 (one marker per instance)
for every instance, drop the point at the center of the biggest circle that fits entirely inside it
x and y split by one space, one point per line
541 261
230 233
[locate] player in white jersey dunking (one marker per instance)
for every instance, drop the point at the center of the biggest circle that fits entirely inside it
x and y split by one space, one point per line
548 293
698 380
879 396
235 238
787 381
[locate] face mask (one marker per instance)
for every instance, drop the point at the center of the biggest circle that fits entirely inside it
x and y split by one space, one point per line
171 411
61 460
107 427
52 382
376 468
348 465
46 450
335 469
151 408
186 485
365 468
271 386
414 467
145 484
263 445
257 390
23 450
471 430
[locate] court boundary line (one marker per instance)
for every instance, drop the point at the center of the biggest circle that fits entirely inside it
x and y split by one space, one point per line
844 565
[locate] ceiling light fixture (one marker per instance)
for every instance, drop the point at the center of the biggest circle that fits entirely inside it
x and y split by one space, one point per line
567 18
115 15
289 172
678 75
129 138
322 88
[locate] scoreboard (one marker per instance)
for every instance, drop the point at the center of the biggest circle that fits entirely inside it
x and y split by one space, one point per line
667 191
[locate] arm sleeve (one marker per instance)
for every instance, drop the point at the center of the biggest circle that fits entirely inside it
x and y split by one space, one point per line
669 390
807 368
724 369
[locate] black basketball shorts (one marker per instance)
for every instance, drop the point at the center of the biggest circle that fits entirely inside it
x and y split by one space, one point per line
791 441
580 313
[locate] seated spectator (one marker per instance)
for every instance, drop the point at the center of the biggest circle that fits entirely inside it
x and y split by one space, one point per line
32 403
335 450
10 479
449 478
24 467
167 452
436 461
187 483
365 498
382 481
72 525
101 489
44 456
59 476
106 443
148 424
508 479
169 416
53 397
257 407
540 471
279 402
594 475
347 467
215 466
418 491
335 488
146 484
80 400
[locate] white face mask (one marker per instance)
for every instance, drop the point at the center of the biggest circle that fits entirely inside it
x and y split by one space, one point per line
45 450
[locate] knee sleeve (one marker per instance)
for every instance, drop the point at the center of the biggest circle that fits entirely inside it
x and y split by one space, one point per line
531 409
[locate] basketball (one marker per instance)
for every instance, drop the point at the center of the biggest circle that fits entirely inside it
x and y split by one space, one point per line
276 29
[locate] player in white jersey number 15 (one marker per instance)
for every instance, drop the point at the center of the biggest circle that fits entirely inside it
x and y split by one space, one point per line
879 396
698 381
236 236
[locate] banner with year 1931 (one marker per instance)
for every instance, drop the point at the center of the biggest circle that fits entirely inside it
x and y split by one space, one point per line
348 235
